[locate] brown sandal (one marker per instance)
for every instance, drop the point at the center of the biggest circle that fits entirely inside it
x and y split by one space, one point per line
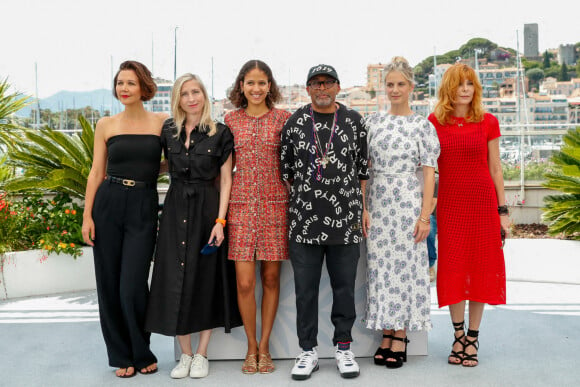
250 365
265 364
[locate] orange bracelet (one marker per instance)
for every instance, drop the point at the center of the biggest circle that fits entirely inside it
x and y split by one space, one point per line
222 221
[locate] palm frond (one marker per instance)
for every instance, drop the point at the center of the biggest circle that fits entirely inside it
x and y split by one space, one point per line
10 103
563 211
51 160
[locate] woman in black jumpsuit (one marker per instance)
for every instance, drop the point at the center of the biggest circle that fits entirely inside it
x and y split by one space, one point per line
191 292
120 218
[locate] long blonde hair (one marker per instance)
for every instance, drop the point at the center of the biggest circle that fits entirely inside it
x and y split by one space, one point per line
206 123
453 77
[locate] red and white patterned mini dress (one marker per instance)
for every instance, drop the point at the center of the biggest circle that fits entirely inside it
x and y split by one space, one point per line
257 217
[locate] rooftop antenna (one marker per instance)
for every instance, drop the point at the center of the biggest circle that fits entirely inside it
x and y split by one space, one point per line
112 78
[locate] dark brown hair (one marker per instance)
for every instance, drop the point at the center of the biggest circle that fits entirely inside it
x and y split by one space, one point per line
146 83
236 95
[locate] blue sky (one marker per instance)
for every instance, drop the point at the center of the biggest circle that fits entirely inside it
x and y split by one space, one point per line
74 42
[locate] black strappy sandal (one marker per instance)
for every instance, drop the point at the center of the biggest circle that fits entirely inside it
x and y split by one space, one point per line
475 344
457 354
399 356
383 352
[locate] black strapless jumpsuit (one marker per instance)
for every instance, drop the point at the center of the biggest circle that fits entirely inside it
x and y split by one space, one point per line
125 219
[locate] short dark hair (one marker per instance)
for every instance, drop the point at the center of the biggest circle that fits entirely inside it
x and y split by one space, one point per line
236 95
146 82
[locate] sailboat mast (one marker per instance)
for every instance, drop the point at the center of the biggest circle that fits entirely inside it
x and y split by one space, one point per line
519 120
36 92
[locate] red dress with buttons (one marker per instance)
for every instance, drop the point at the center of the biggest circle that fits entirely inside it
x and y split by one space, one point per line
257 217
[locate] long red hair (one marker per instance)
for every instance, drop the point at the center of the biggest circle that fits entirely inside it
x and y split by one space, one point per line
453 77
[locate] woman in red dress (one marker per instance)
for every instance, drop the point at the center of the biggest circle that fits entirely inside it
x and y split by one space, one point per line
258 204
471 208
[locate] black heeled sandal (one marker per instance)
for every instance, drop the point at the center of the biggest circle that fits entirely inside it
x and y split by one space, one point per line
457 354
473 343
383 352
399 356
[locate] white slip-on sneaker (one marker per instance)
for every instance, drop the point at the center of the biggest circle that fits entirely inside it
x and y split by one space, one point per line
305 364
346 364
199 366
181 370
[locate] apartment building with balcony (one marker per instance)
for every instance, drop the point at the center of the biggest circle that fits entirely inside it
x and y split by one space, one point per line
495 77
548 109
375 77
541 109
161 102
551 86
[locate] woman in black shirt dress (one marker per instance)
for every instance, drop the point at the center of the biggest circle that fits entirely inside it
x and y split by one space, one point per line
191 292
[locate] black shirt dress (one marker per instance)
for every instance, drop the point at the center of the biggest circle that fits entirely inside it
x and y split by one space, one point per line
191 292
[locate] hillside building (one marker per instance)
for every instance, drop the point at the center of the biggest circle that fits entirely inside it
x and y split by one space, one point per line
531 50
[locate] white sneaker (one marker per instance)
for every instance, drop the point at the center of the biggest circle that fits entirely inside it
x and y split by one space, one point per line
346 364
181 370
305 364
199 367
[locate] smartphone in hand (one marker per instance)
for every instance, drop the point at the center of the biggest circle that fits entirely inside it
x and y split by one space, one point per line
210 248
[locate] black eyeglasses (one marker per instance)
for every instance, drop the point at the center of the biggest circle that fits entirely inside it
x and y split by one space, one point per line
318 84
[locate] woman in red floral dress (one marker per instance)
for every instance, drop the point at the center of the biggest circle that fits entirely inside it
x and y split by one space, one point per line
258 204
470 210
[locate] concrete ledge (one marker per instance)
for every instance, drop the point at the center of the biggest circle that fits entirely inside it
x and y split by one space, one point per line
284 342
28 273
542 260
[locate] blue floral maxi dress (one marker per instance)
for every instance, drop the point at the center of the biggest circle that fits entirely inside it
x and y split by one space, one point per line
397 267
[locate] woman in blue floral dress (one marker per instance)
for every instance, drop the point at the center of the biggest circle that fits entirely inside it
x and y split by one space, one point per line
399 143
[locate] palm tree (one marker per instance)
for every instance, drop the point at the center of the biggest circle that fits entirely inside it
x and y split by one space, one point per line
51 160
5 171
563 211
10 103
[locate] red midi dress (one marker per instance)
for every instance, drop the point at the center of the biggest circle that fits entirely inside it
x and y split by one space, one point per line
470 260
257 216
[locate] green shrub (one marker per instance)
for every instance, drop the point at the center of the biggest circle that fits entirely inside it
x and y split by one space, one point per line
532 171
53 225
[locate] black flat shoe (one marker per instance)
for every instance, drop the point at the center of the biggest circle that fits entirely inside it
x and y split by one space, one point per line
126 376
147 372
399 357
384 353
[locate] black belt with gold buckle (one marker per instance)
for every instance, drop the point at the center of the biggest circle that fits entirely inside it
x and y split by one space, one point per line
131 183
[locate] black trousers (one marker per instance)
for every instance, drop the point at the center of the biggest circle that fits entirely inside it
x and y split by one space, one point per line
125 229
341 262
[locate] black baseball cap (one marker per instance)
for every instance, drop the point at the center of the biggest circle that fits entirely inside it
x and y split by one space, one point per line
322 69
